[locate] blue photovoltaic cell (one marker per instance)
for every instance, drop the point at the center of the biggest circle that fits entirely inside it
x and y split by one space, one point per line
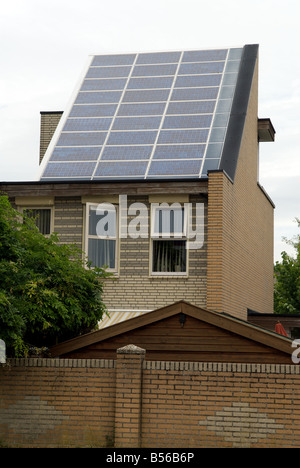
154 70
201 68
158 57
81 139
132 138
106 110
122 169
183 136
179 151
155 108
204 55
98 97
191 107
176 168
146 95
87 125
106 60
99 85
194 94
136 123
193 81
70 170
108 72
150 83
187 121
149 115
111 153
76 154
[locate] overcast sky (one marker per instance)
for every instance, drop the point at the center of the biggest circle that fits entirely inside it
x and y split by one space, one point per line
45 46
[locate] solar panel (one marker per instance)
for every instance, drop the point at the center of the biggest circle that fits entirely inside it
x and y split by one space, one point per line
146 116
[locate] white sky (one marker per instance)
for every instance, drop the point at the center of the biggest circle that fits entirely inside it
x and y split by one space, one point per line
45 46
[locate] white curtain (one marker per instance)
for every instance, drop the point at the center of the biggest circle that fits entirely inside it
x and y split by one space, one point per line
169 256
102 252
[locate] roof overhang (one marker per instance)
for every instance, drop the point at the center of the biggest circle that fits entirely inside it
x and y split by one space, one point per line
266 131
103 187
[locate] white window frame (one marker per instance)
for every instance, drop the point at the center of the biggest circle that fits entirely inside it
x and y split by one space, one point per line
51 208
88 236
180 235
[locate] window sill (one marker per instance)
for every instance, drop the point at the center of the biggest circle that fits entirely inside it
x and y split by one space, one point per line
168 275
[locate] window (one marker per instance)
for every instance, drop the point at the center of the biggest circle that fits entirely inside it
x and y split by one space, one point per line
42 218
101 235
169 237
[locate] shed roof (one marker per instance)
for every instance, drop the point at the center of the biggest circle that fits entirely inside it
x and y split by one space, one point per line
185 332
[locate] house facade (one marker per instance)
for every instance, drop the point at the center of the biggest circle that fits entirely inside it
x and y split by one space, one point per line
162 185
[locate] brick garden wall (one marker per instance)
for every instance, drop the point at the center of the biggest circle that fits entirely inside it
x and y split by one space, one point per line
90 403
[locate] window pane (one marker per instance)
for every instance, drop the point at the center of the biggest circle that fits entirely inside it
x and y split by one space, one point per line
102 221
169 221
102 252
169 256
42 219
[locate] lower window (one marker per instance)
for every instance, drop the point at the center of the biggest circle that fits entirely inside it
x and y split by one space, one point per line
102 252
168 233
169 256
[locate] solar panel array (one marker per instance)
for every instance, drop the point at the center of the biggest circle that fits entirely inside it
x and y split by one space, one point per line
147 116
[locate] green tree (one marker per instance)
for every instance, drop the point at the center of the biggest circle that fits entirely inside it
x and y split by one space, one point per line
47 292
287 280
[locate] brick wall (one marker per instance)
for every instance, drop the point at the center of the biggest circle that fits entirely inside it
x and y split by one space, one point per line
57 403
49 122
90 403
68 220
135 287
240 232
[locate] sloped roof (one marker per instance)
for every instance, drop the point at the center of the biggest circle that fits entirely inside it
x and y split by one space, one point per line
153 116
225 322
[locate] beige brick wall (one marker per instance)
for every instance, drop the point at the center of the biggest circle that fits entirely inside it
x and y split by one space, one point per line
135 288
68 220
240 233
49 122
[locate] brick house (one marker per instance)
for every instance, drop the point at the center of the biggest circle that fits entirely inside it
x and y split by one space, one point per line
173 128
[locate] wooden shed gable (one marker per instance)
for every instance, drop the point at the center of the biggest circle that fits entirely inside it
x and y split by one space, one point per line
183 332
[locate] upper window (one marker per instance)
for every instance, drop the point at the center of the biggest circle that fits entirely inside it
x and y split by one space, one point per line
42 218
169 237
101 235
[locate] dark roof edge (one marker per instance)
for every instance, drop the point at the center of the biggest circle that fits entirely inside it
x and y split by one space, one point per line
266 195
51 112
102 181
239 110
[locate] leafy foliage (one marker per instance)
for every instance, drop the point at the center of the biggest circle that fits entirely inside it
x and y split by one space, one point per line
47 293
287 280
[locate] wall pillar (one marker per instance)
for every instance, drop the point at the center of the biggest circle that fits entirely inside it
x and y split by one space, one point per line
128 396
